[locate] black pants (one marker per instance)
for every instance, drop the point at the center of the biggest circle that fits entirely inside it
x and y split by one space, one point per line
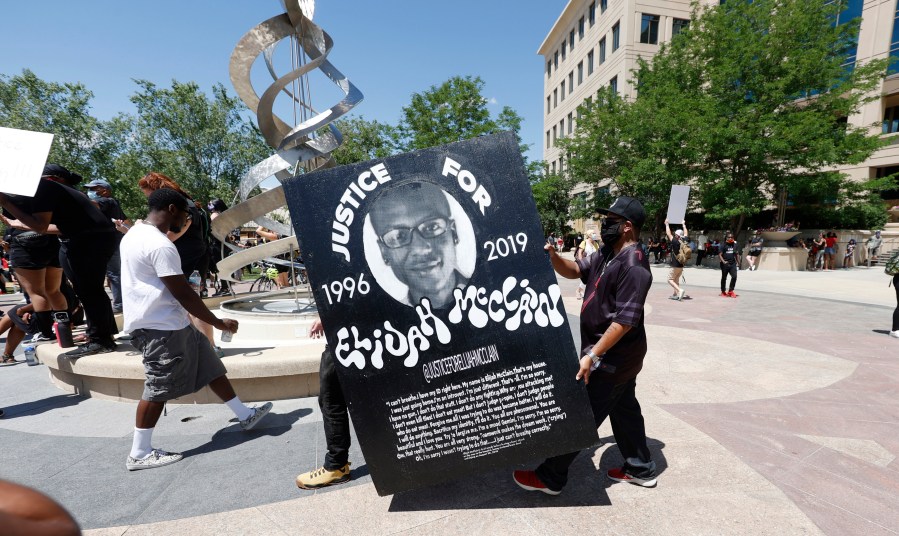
84 263
619 403
896 312
699 256
728 268
335 418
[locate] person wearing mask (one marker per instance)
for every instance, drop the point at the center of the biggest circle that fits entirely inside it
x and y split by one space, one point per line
729 255
100 192
190 241
87 242
613 346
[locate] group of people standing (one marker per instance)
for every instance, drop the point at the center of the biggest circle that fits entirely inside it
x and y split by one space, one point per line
68 234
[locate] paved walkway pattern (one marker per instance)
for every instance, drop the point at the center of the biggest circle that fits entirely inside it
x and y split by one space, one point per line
772 413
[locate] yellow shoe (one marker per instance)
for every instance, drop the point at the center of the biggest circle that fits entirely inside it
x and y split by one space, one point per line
322 477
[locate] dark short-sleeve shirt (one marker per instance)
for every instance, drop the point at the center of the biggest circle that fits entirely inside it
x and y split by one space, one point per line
617 286
192 245
73 213
729 251
112 210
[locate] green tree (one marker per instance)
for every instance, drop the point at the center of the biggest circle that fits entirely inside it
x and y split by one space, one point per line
748 103
552 194
205 144
777 83
363 140
455 110
30 103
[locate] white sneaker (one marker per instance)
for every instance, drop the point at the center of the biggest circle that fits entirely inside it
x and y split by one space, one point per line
681 293
258 414
895 334
157 458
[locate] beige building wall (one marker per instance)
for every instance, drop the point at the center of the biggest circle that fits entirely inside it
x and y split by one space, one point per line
560 115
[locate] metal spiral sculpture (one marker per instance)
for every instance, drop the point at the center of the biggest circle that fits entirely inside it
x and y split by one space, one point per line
301 148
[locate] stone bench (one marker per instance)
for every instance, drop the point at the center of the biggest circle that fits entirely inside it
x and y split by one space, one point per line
258 374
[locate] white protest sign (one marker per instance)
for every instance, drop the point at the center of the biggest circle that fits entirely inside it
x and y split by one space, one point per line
677 204
23 154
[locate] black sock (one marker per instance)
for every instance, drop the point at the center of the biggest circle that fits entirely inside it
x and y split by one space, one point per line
44 322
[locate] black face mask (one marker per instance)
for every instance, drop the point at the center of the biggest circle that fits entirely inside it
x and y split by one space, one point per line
610 233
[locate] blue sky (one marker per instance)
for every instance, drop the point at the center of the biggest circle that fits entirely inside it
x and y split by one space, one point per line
388 48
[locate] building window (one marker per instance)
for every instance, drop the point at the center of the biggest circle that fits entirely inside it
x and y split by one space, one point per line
554 167
570 123
649 29
562 128
853 12
591 14
547 104
563 91
547 139
678 26
549 68
571 82
554 135
603 5
602 50
555 98
613 84
571 40
616 36
891 120
894 46
580 29
589 63
580 73
556 60
564 45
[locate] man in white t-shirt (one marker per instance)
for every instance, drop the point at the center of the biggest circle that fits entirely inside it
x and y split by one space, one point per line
178 359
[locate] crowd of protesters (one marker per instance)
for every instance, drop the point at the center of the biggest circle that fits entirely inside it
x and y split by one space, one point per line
61 247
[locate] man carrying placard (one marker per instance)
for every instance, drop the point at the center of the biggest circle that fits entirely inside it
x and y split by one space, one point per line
613 345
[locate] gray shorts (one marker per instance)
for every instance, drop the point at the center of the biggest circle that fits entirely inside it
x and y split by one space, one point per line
176 363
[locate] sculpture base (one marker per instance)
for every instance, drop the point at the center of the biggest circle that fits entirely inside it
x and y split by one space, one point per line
780 259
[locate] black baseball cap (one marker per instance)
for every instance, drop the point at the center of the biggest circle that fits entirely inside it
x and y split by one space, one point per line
55 170
629 209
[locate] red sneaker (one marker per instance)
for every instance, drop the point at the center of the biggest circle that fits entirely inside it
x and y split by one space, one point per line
620 475
528 480
732 294
724 294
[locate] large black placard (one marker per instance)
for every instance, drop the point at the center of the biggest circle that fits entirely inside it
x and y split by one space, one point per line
442 310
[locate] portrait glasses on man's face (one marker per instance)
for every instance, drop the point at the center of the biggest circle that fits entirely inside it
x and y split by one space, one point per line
428 229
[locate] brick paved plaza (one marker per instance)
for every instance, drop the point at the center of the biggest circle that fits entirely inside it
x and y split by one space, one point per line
772 413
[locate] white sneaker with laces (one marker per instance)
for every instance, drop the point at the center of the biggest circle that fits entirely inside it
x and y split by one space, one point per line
895 334
156 458
258 413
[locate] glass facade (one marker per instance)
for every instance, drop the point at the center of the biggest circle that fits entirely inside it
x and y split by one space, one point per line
894 45
891 120
679 25
649 29
851 11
